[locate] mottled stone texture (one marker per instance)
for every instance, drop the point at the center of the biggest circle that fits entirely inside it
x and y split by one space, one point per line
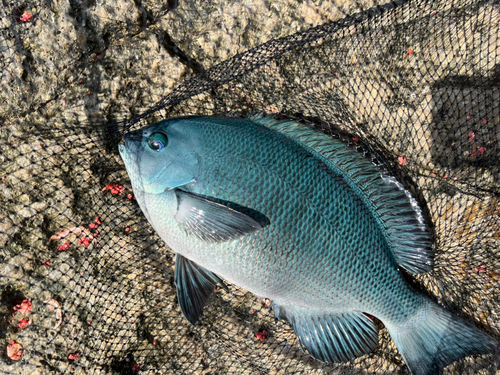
420 81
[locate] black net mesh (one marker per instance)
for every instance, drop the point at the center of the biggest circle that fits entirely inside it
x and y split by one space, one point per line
86 285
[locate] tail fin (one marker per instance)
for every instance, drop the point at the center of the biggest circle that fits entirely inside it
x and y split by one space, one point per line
433 338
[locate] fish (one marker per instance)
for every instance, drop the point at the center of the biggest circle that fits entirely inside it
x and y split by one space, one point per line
302 218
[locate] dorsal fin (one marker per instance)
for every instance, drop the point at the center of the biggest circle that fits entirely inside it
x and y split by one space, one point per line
394 207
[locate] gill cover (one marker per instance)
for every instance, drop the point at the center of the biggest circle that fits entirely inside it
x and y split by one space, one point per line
162 156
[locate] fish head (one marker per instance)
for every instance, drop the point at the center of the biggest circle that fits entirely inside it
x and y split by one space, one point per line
162 156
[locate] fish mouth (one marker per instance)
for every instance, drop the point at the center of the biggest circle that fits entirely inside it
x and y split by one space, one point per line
122 149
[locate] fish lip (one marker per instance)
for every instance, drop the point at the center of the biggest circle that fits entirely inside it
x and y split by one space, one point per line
122 149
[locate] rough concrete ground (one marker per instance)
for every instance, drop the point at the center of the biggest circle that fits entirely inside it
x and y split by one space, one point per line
74 66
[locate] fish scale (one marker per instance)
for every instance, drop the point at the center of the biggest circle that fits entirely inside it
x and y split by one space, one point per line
224 172
300 218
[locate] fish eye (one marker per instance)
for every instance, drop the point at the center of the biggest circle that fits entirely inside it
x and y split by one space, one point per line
157 141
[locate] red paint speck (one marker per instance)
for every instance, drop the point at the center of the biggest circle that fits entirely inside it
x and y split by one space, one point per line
73 356
484 121
261 334
471 136
127 230
85 241
24 322
410 51
130 197
355 139
93 226
402 160
482 150
481 268
474 153
115 189
46 263
64 246
23 307
155 342
135 367
26 17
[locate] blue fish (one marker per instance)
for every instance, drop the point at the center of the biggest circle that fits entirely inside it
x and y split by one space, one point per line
300 218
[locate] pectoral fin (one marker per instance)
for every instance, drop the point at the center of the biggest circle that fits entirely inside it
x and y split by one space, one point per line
211 221
194 284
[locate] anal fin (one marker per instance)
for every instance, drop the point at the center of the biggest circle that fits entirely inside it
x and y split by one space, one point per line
331 338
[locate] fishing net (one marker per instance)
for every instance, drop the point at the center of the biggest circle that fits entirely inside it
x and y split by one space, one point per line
86 285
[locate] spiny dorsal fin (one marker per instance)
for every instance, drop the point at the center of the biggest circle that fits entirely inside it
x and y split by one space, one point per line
396 210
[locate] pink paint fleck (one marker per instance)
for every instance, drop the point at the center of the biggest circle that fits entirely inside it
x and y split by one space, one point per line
24 307
472 135
410 51
73 356
485 121
130 197
482 150
402 160
14 350
24 322
46 263
355 139
64 246
481 268
26 17
135 367
473 153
